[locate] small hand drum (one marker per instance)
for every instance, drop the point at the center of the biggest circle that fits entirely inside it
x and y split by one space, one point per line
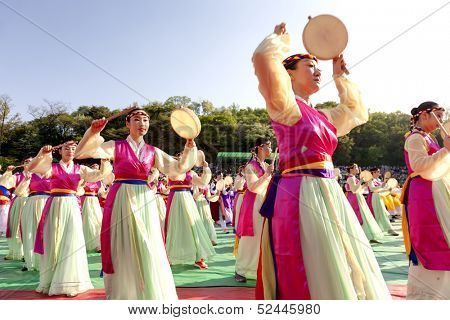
325 37
446 128
185 123
228 180
220 185
392 183
200 158
337 173
366 176
387 175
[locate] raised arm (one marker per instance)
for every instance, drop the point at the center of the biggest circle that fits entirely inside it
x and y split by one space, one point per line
94 146
42 163
23 189
172 167
351 111
202 180
93 175
274 81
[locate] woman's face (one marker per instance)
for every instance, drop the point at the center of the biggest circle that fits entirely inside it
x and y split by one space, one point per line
68 152
306 77
429 122
354 170
26 163
95 166
265 149
376 174
138 125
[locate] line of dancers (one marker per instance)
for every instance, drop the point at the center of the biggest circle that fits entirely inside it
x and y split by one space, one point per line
297 233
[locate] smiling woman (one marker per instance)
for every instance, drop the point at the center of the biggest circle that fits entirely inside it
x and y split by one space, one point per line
132 244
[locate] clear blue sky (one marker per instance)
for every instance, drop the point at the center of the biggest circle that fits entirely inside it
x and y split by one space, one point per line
202 49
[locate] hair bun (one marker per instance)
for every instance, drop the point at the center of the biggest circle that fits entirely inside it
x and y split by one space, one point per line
414 111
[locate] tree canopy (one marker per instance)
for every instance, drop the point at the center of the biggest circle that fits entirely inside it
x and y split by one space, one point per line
229 129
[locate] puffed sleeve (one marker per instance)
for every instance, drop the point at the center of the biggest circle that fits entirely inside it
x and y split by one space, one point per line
274 81
93 175
7 179
354 187
351 111
255 184
41 164
23 189
202 180
434 167
172 167
94 146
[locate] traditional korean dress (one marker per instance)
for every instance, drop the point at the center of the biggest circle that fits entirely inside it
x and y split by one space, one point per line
426 218
312 246
134 259
226 206
250 221
14 216
201 196
369 225
7 182
187 240
378 207
59 236
39 191
92 215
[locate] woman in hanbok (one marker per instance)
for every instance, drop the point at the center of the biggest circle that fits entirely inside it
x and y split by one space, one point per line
215 205
63 265
426 198
313 246
377 205
92 213
134 259
226 207
14 215
38 188
202 195
257 177
7 182
359 204
187 241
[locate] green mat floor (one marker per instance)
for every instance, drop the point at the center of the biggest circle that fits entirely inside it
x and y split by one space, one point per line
390 255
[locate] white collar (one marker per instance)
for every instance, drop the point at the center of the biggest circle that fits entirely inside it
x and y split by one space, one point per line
303 100
66 169
136 147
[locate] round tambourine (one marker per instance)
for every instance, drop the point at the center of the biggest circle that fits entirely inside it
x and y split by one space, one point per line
366 176
447 128
228 180
392 183
325 37
200 158
185 123
220 185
